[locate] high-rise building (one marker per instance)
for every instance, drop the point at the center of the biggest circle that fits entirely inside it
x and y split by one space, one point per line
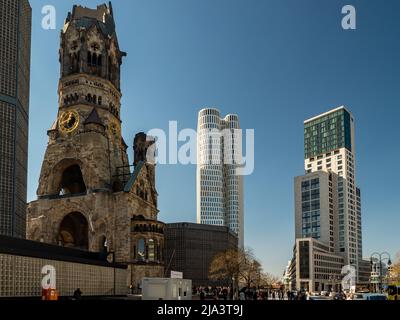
219 187
327 200
15 51
316 202
329 146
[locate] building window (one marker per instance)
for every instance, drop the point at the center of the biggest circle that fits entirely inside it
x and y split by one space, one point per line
151 249
141 250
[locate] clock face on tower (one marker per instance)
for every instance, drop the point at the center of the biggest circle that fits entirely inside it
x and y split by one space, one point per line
69 121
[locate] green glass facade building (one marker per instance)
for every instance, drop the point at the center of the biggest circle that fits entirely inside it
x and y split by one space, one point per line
329 150
327 133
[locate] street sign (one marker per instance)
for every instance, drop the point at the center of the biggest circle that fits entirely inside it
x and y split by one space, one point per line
176 275
375 280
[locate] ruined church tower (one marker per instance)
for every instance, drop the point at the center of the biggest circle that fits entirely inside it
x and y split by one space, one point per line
89 196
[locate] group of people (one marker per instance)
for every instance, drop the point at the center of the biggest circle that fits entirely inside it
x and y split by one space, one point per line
226 293
304 295
215 293
262 294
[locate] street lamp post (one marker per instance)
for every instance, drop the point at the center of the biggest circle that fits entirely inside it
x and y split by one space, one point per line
380 260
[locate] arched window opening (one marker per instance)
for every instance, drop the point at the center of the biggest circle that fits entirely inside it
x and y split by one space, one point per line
76 66
158 252
74 62
94 99
99 60
109 69
74 231
141 250
72 181
151 250
89 58
100 100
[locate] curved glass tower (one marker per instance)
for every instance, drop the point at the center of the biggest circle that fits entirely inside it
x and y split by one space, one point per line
219 188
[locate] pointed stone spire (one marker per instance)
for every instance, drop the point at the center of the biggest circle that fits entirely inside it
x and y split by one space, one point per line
94 118
54 126
53 131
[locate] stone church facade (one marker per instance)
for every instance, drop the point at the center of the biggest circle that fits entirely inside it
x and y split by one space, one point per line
89 196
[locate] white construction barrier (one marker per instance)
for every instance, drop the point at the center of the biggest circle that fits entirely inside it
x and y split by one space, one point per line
166 289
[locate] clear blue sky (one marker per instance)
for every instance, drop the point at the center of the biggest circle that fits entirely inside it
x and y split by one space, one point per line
274 63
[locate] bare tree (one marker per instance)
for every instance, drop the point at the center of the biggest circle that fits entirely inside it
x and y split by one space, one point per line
225 266
250 269
267 280
239 265
396 268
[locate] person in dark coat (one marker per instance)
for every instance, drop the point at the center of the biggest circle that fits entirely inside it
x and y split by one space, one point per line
78 294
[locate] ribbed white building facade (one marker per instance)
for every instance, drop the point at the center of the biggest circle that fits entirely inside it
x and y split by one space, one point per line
219 187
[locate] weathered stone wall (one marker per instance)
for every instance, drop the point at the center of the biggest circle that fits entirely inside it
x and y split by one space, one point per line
137 272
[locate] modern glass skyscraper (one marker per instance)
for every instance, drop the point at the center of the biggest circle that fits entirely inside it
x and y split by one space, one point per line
328 204
329 146
15 46
219 187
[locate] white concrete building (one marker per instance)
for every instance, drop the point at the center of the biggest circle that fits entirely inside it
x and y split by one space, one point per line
219 187
317 268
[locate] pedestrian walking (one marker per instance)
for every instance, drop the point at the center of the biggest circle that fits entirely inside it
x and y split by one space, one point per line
255 295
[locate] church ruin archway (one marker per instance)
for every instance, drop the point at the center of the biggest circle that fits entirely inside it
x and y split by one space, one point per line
72 181
74 231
